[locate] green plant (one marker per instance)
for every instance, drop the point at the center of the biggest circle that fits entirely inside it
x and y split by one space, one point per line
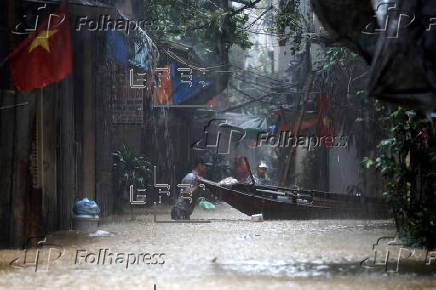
290 23
407 161
131 168
338 60
207 25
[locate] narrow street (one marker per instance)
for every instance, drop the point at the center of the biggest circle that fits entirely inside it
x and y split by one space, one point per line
217 144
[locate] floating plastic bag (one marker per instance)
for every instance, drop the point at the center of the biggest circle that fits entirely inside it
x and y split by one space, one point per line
206 205
86 207
257 218
101 233
228 181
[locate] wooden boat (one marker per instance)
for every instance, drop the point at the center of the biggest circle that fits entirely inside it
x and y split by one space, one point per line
285 203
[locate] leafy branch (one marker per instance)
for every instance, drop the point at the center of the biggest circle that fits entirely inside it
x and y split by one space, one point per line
202 23
407 161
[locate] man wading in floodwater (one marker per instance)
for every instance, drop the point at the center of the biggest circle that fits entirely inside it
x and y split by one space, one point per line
188 197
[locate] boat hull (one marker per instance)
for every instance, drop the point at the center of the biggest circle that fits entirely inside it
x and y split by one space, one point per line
275 207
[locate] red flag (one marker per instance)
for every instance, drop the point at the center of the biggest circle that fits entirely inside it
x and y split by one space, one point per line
241 171
44 57
164 94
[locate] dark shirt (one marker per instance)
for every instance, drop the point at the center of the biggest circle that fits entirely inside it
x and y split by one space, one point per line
187 199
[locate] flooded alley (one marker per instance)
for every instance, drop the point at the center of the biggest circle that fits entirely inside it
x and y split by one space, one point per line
217 144
230 252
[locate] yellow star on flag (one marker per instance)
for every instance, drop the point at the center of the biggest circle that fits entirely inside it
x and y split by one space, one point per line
42 40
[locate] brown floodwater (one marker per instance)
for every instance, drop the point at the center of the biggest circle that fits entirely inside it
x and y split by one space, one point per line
230 252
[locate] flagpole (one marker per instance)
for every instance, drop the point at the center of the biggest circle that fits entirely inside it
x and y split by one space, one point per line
41 131
13 106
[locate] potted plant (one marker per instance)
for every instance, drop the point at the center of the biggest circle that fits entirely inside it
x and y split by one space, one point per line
130 168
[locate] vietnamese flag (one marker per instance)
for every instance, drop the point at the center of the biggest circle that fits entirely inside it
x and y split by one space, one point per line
44 57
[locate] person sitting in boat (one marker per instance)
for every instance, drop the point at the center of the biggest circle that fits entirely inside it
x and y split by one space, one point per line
188 197
260 177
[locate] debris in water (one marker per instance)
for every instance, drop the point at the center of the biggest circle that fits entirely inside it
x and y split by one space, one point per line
206 205
257 218
101 233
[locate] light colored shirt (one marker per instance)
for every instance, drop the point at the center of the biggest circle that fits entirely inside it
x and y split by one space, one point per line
259 180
